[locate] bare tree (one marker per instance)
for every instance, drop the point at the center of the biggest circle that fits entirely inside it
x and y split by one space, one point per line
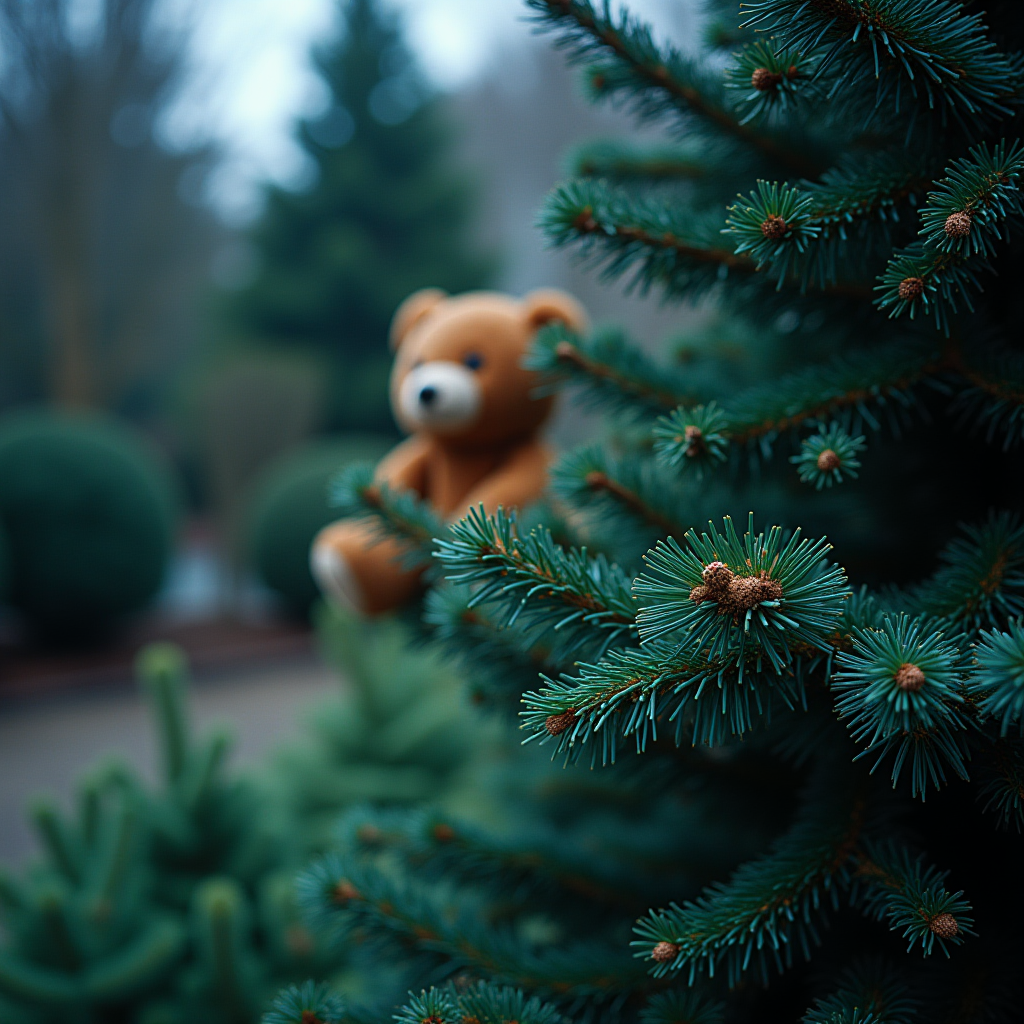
101 251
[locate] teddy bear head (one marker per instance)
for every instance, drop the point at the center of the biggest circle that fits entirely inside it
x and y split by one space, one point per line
458 373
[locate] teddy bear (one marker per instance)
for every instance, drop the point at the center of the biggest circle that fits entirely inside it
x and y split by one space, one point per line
459 389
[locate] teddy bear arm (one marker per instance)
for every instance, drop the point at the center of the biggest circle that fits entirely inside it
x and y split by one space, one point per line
520 479
405 467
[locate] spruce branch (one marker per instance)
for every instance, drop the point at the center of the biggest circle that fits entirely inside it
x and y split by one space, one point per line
631 693
930 51
693 439
682 1007
729 597
895 887
901 689
997 678
770 78
980 584
771 908
483 1002
992 403
875 989
1002 783
399 514
340 893
836 230
969 212
677 248
308 1003
824 457
618 162
857 392
608 371
584 601
629 492
624 61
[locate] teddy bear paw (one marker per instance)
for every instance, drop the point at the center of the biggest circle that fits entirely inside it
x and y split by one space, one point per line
335 578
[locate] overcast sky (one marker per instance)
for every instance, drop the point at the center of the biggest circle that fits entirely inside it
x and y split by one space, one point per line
253 77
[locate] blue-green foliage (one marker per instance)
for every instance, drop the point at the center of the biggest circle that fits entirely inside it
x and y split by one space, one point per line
746 722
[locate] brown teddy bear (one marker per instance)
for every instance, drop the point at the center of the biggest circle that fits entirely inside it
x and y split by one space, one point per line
459 389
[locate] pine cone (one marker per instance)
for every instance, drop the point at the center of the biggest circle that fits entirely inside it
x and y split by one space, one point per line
746 592
828 461
443 832
699 594
344 891
909 677
944 926
716 576
958 225
764 80
911 288
557 724
774 228
694 437
665 952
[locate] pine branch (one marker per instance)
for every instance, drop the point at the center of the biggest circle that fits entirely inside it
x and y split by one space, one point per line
631 693
502 661
846 220
584 602
537 863
997 679
770 79
340 894
907 894
626 493
992 403
930 51
966 216
305 1004
625 61
483 1002
771 908
399 514
729 598
618 162
902 690
1002 778
609 372
875 989
862 391
682 1007
980 584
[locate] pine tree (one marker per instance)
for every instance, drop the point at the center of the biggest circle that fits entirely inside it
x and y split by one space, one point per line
817 743
387 214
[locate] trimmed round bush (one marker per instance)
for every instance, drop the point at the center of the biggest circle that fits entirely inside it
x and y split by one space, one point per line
89 514
289 507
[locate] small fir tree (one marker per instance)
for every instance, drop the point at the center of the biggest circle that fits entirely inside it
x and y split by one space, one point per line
772 709
388 213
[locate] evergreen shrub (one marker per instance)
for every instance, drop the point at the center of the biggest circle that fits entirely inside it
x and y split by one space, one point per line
89 514
290 505
797 758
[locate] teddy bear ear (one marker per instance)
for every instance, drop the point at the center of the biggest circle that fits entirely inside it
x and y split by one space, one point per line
548 305
411 312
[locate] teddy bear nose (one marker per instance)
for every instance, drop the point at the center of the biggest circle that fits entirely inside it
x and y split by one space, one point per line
427 395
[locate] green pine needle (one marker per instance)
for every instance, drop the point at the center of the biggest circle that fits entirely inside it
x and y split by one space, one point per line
826 456
901 691
781 595
308 1003
997 680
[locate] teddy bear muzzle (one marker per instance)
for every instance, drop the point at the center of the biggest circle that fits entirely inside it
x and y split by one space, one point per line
439 396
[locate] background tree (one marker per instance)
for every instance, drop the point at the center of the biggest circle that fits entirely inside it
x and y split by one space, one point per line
103 253
387 214
766 722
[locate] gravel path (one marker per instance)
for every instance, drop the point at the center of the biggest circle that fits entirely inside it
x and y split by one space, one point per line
46 744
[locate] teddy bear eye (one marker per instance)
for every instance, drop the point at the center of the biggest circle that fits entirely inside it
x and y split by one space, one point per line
473 361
